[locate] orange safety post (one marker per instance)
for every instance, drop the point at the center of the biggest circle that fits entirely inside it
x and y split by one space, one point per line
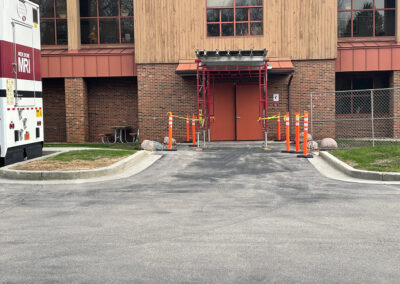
187 128
194 130
305 138
170 131
279 126
287 119
297 132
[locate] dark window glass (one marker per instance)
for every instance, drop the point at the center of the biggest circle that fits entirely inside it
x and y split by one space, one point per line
88 8
109 31
362 104
62 32
343 84
344 4
227 30
363 24
242 15
362 4
219 3
385 23
382 4
256 28
363 83
213 15
127 30
213 30
343 104
126 8
226 15
35 16
46 8
344 24
108 8
249 2
89 31
47 32
256 14
61 8
242 29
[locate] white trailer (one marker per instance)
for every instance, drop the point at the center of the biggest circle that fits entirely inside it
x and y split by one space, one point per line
21 104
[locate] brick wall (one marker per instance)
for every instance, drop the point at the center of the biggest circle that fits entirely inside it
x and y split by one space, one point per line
76 107
112 101
54 110
396 104
160 90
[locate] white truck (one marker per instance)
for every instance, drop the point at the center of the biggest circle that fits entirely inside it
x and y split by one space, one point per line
21 104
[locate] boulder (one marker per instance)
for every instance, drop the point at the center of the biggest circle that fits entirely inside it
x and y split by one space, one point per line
166 141
147 145
151 145
157 146
328 143
309 137
312 145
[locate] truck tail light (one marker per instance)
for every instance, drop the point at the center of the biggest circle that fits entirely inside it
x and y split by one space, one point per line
12 125
39 123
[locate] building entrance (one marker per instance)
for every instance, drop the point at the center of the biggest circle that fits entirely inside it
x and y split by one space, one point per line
236 112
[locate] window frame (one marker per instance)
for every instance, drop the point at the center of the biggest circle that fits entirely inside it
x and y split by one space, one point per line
54 19
98 18
234 22
374 9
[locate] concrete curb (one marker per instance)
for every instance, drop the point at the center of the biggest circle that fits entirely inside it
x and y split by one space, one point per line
113 169
360 174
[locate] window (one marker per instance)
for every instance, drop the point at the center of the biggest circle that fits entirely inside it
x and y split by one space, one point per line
356 95
106 21
53 22
366 18
234 18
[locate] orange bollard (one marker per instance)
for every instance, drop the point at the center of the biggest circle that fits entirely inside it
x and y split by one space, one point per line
297 132
305 139
187 128
170 131
279 126
193 130
287 119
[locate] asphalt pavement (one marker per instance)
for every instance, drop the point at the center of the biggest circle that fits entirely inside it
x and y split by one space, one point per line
232 213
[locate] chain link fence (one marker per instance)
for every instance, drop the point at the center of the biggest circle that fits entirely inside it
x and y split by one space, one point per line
357 118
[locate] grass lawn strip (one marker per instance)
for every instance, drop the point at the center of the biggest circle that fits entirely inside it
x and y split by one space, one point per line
122 146
77 160
380 158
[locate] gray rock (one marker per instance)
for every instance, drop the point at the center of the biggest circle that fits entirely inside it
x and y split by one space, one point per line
166 141
328 143
309 137
312 145
147 145
157 146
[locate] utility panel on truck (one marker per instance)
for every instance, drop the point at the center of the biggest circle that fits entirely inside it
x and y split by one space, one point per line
21 104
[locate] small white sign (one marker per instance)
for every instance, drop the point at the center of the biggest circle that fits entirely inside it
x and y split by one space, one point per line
276 97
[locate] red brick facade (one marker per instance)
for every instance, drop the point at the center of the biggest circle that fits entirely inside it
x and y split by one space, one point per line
161 90
396 104
76 109
112 101
54 110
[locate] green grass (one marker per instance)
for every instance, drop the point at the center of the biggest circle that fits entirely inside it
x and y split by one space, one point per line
122 146
90 155
352 143
379 158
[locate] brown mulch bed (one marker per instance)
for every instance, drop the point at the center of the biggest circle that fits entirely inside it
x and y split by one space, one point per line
45 165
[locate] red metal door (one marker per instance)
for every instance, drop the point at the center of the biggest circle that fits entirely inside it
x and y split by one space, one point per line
247 101
223 127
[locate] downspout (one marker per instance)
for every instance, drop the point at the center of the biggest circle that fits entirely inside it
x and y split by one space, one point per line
288 90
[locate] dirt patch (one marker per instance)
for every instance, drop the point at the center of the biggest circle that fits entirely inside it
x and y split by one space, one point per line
46 165
352 164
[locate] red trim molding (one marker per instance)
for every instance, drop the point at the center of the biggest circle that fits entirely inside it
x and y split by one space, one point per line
368 56
102 62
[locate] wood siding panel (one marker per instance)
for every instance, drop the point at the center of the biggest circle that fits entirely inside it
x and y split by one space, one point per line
169 31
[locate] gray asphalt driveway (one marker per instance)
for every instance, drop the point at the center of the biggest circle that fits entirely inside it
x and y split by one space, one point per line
224 215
